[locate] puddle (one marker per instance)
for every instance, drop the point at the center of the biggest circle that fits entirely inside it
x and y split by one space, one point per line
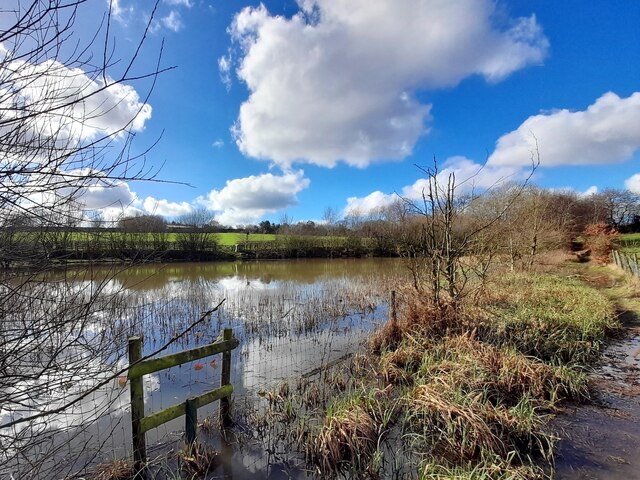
602 440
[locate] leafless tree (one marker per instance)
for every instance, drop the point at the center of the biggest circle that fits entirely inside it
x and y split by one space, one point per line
620 206
58 94
450 249
199 233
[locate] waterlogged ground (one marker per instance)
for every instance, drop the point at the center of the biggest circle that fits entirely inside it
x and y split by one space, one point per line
601 440
291 317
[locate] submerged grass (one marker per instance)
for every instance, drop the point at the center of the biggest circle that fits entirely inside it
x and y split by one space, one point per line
455 393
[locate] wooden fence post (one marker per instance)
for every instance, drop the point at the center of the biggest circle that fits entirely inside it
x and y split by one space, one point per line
394 312
137 410
225 379
191 420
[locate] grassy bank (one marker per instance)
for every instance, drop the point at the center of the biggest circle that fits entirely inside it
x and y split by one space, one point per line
461 393
629 242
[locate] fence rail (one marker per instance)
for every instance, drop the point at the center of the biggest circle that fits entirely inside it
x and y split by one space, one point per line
141 424
627 261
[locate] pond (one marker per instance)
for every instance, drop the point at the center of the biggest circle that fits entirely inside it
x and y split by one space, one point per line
292 317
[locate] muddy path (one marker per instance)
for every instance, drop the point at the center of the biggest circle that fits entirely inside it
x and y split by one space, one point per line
601 440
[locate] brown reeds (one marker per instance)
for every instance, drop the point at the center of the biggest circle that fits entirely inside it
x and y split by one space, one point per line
347 440
198 460
115 470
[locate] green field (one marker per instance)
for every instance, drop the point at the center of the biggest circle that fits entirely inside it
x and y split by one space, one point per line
629 242
225 239
233 238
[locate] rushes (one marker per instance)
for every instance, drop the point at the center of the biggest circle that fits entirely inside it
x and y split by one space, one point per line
449 393
348 439
480 380
555 319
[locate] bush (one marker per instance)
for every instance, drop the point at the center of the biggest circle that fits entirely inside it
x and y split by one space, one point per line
599 238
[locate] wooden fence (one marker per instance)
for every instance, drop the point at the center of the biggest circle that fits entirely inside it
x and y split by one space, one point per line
627 261
141 424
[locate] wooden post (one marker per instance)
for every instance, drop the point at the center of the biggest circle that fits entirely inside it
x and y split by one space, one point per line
225 379
137 411
191 420
394 313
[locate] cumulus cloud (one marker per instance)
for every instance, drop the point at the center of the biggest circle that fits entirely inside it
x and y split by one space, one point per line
633 183
173 21
338 80
592 190
117 195
182 3
245 200
369 204
608 131
72 107
470 177
166 208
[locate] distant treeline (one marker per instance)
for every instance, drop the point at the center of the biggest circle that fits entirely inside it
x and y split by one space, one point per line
32 246
510 221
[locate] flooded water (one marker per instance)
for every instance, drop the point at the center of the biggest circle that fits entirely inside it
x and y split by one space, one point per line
291 317
602 440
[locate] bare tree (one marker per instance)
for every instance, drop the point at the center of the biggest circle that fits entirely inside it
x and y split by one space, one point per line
68 114
199 233
448 247
620 206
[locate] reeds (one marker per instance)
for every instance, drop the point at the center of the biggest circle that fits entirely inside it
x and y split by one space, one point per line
197 460
481 379
346 441
115 470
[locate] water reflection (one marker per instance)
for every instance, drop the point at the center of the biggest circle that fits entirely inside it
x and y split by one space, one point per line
290 317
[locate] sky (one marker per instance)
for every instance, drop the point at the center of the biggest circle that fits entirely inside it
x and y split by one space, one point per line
290 107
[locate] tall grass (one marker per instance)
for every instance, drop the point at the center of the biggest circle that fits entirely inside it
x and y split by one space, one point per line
461 393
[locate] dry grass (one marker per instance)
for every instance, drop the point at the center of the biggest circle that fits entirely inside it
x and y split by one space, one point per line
455 393
482 378
348 439
116 470
556 319
198 460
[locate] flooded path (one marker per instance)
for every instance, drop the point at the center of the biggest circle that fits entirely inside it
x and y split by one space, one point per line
602 440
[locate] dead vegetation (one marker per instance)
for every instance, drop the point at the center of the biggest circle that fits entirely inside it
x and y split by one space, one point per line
115 470
462 392
197 460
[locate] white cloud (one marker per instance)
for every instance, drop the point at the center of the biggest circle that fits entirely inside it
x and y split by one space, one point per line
173 21
73 106
166 208
369 204
608 131
113 214
592 190
224 67
633 183
122 14
337 81
245 200
183 3
469 177
97 197
219 143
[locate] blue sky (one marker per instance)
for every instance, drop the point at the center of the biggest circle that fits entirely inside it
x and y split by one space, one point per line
292 107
